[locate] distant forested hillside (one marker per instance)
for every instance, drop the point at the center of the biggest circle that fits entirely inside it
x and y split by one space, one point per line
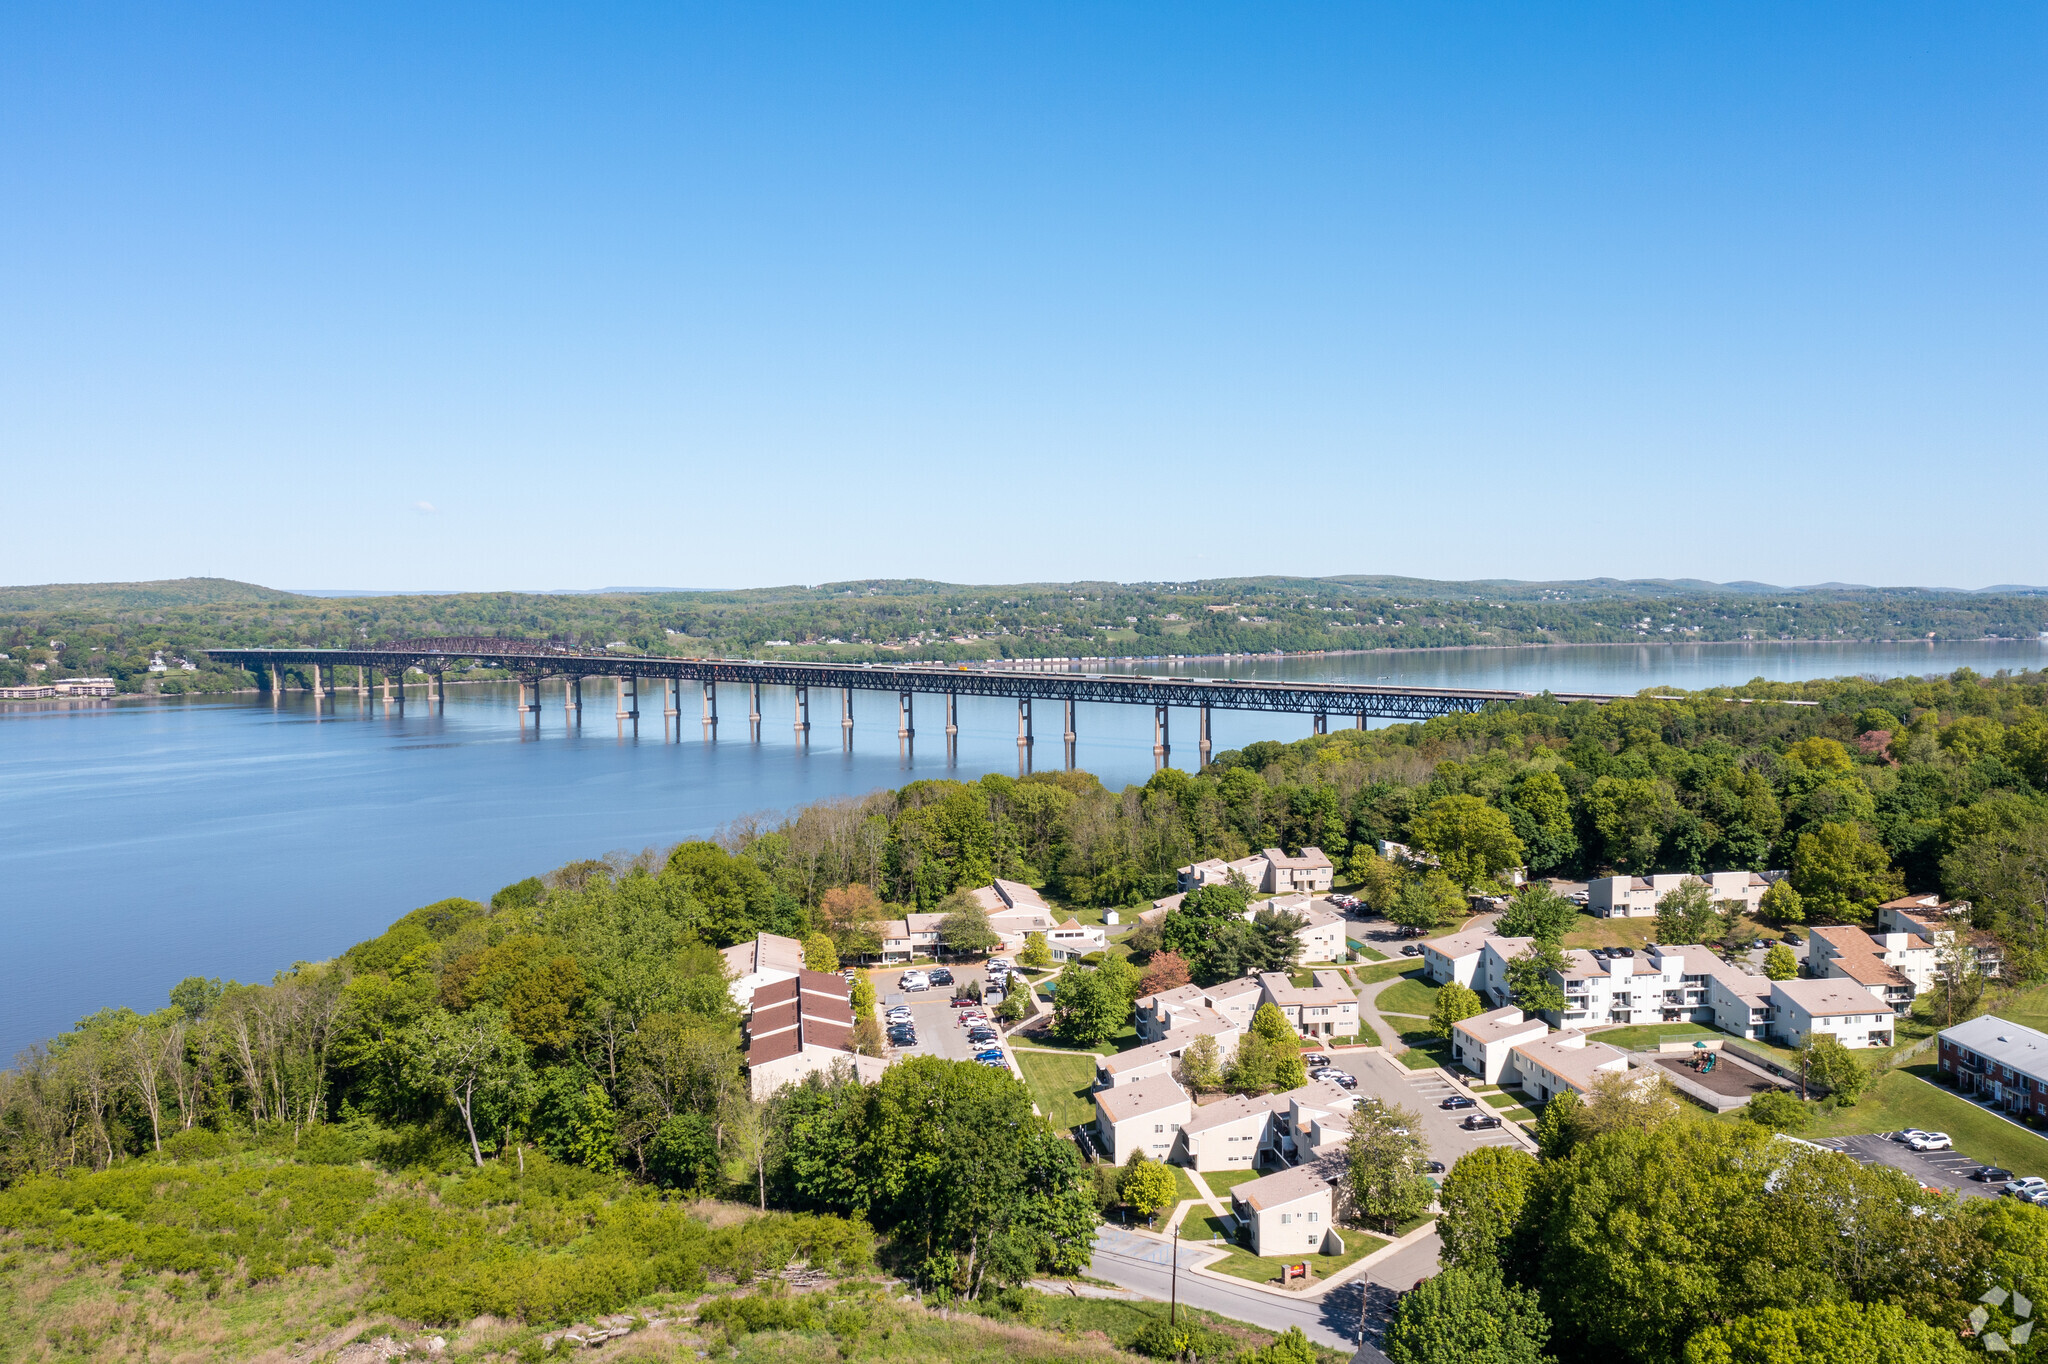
114 628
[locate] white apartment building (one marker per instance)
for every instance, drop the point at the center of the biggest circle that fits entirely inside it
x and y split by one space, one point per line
1477 961
1804 1009
1548 1066
1636 897
1482 1044
1289 1213
1270 870
1234 1133
1145 1115
1327 1008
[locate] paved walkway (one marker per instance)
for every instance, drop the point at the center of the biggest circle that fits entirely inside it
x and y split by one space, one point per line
1369 1014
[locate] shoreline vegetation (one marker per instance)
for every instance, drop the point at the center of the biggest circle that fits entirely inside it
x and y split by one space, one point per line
118 629
502 1120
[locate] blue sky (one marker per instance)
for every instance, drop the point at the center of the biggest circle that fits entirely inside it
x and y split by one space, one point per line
502 296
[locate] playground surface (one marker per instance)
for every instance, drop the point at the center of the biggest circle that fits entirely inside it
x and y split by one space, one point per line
1729 1076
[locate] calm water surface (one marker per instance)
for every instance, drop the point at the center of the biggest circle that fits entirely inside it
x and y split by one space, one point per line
142 841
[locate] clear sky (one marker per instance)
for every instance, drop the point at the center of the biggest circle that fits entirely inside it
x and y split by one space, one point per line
504 296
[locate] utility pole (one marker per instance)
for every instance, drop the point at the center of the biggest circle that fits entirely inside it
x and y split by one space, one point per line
1173 1307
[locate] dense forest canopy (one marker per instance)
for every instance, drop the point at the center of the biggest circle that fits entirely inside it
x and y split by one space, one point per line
115 629
580 1019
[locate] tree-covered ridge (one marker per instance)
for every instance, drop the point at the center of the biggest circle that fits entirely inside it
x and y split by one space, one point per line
115 628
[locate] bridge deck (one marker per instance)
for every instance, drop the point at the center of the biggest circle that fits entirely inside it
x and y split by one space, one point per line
537 661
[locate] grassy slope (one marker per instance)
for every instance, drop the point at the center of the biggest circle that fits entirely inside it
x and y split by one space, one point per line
1061 1085
1413 996
1904 1098
1645 1036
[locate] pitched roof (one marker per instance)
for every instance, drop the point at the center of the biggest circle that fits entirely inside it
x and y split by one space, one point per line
1828 998
1569 1056
1456 945
1235 1108
1497 1025
1152 1094
1276 1190
1311 859
1855 956
767 952
2009 1044
811 1009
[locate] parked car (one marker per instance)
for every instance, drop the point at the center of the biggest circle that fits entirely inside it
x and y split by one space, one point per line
941 976
966 1003
1434 1167
1931 1141
2026 1187
1411 950
1479 1122
1991 1174
899 1014
1459 1101
1341 1080
993 1064
989 1054
1906 1137
914 980
1000 966
1315 1061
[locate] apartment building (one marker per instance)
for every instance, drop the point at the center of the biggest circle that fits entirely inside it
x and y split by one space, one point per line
1235 1133
1996 1060
1326 1008
1636 897
1804 1009
1289 1213
1270 870
1145 1115
1569 1060
1891 967
1944 926
770 957
800 1025
1482 1044
1477 961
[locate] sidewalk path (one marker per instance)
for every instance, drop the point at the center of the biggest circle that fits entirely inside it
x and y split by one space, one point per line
1369 1014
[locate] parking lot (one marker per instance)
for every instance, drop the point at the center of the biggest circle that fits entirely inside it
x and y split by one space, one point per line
1940 1169
1421 1091
932 1014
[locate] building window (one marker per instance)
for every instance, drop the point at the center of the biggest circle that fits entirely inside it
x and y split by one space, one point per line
1285 1218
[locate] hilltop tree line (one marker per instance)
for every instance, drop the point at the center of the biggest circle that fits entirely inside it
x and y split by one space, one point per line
113 631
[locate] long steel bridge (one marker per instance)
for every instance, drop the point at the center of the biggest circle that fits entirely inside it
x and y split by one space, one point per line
530 662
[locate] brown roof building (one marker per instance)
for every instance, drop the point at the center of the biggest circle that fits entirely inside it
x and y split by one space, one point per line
801 1025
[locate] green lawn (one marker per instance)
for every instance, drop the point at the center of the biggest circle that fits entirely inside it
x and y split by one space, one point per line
1367 1036
1061 1085
1503 1100
1126 1038
1369 953
1387 970
1436 1055
1904 1098
1408 997
1242 1264
1221 1182
1645 1036
1592 931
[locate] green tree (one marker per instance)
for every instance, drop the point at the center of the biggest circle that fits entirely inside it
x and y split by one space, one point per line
1840 873
733 896
1826 1333
1147 1186
1557 1126
1268 1022
965 930
1289 1347
1825 1061
1780 963
1482 1201
1781 904
1468 1316
1037 953
1541 811
1632 816
980 1191
1472 841
1686 913
1537 911
1201 1068
474 1061
1779 1111
1529 979
820 954
1427 903
1454 1003
684 1153
863 995
1378 880
1383 1173
1086 1009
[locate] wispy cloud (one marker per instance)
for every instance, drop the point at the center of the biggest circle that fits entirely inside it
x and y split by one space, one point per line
426 507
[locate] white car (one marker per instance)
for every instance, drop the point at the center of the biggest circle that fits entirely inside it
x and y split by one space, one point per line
1909 1136
898 1014
1931 1141
913 980
2029 1187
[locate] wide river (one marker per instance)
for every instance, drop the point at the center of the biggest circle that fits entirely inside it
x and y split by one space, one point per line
149 840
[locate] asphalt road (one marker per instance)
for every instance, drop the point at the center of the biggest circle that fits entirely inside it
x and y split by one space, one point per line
1420 1091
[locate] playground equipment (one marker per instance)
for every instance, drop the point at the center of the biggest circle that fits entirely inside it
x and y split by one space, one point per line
1704 1060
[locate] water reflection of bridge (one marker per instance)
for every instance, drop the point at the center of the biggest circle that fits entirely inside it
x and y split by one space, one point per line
387 666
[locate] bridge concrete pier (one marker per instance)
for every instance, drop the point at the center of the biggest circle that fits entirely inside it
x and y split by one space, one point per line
1162 744
906 716
626 690
440 692
803 717
572 701
754 711
529 703
672 708
1069 735
1203 747
1322 718
952 729
363 682
846 718
710 710
1360 718
319 688
1024 739
275 685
